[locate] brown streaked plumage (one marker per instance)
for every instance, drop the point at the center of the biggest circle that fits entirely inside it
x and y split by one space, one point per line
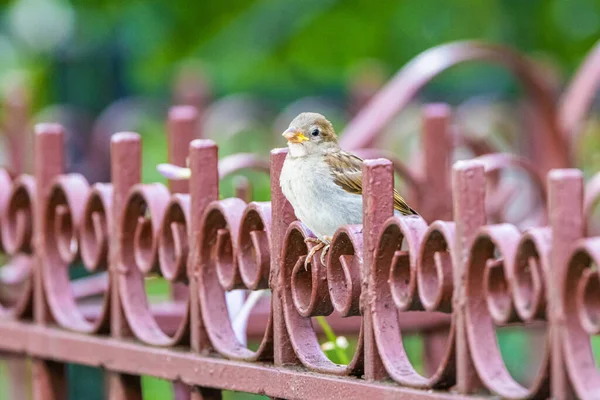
346 169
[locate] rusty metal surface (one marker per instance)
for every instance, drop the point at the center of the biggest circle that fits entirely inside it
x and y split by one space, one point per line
133 358
458 275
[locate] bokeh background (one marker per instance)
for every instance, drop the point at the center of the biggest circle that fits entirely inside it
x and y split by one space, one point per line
251 65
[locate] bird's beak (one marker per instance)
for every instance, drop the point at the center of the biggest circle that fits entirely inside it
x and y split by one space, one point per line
294 136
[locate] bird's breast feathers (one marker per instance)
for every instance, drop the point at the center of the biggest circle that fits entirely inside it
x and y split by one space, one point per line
321 204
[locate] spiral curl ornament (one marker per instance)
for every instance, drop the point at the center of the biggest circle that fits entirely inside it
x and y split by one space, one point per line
412 271
496 255
306 293
435 267
254 246
344 264
15 281
529 273
95 227
63 215
173 246
581 314
233 236
17 221
138 245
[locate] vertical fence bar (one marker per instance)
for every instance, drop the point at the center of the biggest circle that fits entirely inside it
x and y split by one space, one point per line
437 154
282 217
204 188
565 208
49 378
378 206
181 124
126 161
16 120
181 127
15 126
468 187
180 131
243 188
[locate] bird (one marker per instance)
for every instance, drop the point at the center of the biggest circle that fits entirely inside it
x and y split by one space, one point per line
322 182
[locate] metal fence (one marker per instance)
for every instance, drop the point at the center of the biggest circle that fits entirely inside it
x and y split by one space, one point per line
450 275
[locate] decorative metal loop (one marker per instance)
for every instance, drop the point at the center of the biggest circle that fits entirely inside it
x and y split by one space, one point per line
529 275
488 301
579 96
141 222
581 318
394 275
222 227
588 301
63 215
398 264
344 263
95 228
306 292
254 256
435 267
363 130
310 291
173 246
17 229
16 286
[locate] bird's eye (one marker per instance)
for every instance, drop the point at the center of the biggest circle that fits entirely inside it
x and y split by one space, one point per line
315 132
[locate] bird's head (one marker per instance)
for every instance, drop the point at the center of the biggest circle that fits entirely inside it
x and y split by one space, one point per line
310 134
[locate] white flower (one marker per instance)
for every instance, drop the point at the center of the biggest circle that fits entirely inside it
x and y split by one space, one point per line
342 342
327 346
174 172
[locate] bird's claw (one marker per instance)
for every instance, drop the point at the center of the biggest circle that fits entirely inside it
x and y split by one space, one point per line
324 254
311 239
311 254
320 244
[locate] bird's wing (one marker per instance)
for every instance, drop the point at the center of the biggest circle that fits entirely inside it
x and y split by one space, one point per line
346 169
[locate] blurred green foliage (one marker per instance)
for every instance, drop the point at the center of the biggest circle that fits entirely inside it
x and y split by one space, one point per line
282 49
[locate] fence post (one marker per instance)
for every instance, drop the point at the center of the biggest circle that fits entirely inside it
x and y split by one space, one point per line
565 211
378 206
49 378
282 217
180 132
204 188
468 188
16 120
437 158
125 160
181 124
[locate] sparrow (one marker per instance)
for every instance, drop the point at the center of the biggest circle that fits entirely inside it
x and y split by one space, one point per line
322 182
